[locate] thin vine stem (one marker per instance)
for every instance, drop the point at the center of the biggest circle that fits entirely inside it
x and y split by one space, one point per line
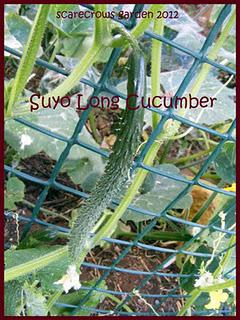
156 59
102 38
38 263
29 56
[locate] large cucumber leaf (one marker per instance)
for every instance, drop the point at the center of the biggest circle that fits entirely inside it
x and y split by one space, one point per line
164 191
28 142
223 109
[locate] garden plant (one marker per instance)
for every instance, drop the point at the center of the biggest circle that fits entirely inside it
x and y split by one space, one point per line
115 204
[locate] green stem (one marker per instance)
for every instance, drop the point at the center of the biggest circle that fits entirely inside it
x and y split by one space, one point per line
86 62
102 33
156 63
219 286
38 263
158 235
209 141
118 301
189 302
139 29
206 139
127 36
53 299
29 56
101 39
48 212
191 157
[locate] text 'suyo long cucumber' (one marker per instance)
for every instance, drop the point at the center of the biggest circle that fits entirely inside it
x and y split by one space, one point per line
119 163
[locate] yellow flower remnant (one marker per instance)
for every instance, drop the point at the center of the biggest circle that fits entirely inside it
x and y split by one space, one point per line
232 188
216 298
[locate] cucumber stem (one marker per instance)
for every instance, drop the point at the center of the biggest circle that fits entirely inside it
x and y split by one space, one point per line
138 30
38 263
29 56
156 59
158 235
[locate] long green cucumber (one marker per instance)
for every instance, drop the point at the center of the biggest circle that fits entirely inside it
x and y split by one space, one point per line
119 163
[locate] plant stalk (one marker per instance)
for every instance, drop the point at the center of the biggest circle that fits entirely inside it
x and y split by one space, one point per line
29 56
156 60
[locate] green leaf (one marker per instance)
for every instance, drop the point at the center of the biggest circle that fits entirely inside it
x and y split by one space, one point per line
11 42
74 298
47 275
36 239
19 27
148 183
52 273
80 170
16 257
224 108
225 163
36 304
14 193
29 10
76 47
12 297
230 45
70 27
164 191
11 8
62 122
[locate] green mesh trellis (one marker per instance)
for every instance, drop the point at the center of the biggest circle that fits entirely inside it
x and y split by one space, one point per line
104 85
